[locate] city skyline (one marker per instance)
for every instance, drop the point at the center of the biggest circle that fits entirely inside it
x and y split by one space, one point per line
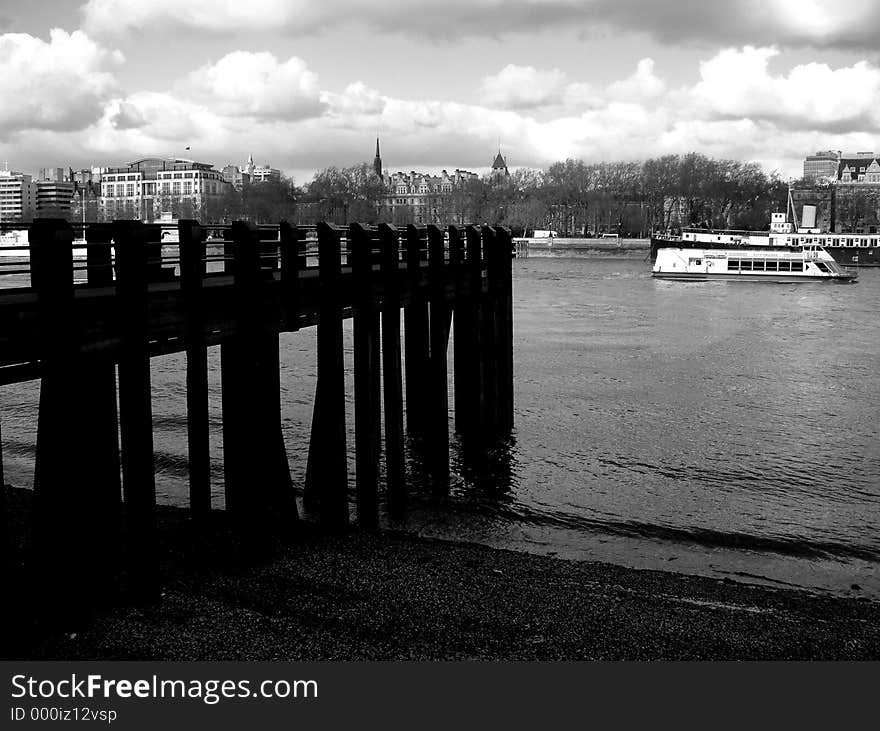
304 87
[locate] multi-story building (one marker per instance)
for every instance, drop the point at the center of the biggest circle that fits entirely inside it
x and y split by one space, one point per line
58 175
250 173
423 196
859 167
55 198
823 164
235 176
18 196
153 188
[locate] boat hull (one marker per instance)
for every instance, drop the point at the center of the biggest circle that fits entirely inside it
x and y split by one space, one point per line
742 277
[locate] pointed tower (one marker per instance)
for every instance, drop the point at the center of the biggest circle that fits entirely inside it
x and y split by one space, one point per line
499 173
377 161
249 167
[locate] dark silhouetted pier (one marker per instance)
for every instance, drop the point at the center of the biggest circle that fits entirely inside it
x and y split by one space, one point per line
87 326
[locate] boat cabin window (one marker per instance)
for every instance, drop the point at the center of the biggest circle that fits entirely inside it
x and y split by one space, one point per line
770 266
785 266
864 242
797 266
757 266
733 264
745 265
849 242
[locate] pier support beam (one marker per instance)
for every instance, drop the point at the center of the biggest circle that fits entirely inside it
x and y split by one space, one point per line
192 272
135 410
437 388
329 470
259 490
392 380
76 478
416 337
366 399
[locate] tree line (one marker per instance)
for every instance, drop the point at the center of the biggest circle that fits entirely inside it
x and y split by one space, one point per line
571 197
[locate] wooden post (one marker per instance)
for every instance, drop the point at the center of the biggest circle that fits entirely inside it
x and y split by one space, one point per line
490 335
366 447
101 443
135 409
330 470
391 372
416 343
437 416
76 477
289 239
505 306
192 271
260 491
469 367
459 323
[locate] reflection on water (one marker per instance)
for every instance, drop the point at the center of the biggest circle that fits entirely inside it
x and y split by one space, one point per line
727 429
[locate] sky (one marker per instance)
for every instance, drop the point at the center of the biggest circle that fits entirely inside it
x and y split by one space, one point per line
303 85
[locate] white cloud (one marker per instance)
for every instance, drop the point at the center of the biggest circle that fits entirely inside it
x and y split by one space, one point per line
785 22
523 87
61 84
737 83
256 85
737 108
641 85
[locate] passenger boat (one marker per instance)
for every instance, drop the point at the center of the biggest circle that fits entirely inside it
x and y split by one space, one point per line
14 244
847 249
735 262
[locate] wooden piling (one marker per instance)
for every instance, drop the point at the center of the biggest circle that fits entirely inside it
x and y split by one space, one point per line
192 271
330 469
100 449
459 320
360 243
437 398
470 397
135 410
505 308
416 336
259 495
391 372
490 333
291 265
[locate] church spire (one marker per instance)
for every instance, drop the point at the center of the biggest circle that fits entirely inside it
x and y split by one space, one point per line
377 161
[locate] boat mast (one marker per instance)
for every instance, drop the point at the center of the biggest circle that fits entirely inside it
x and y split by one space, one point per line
791 206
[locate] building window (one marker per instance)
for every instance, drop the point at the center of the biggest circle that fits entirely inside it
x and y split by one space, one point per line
188 187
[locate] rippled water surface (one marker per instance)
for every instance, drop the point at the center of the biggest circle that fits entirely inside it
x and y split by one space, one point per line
728 429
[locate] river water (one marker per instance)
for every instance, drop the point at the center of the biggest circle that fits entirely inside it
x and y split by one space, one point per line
724 429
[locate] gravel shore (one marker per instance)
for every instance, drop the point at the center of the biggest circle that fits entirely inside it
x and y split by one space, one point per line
390 596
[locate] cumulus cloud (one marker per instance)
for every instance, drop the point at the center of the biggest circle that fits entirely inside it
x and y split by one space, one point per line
737 107
737 83
523 87
61 84
734 22
256 85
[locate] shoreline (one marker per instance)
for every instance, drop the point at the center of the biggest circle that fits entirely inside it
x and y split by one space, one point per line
394 596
